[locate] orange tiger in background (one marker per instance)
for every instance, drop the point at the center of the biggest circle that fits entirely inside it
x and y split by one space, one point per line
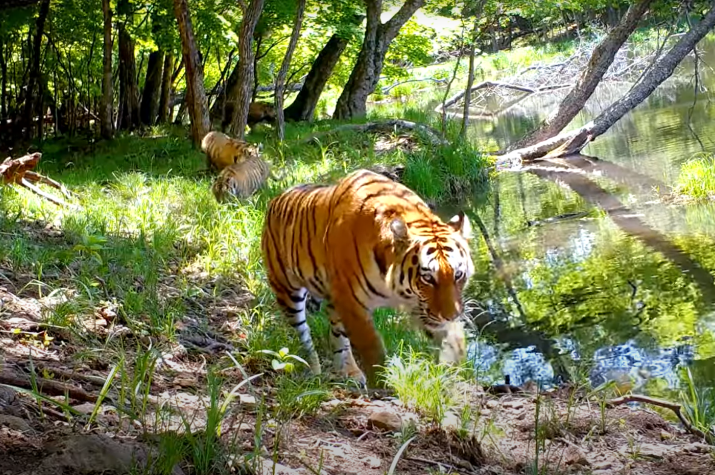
363 243
241 180
222 150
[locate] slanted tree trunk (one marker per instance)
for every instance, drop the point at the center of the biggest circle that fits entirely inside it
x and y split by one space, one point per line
303 107
3 82
598 65
105 110
33 96
366 73
573 141
195 94
128 88
240 92
283 72
470 81
165 100
152 88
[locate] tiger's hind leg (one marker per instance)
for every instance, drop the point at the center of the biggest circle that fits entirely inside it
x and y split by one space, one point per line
343 360
294 311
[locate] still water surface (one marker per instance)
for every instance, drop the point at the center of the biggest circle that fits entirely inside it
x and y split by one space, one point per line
607 283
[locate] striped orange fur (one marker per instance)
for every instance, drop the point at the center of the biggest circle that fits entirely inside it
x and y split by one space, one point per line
360 244
222 150
241 180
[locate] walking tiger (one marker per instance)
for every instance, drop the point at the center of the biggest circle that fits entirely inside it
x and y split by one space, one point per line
363 243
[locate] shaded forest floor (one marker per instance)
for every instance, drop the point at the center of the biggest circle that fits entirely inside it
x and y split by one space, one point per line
132 336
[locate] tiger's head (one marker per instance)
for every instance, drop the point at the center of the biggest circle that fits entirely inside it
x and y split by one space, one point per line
435 265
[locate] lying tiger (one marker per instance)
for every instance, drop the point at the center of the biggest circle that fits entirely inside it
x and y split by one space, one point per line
363 243
222 150
241 180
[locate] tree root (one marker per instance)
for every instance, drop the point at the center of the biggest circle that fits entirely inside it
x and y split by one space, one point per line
18 171
47 387
676 408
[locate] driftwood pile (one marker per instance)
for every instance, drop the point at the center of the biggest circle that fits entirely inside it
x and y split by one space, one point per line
18 171
491 99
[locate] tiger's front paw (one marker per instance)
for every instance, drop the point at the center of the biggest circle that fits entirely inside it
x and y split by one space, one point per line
354 373
453 348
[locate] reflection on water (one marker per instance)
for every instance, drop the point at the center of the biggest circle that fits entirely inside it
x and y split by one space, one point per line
588 274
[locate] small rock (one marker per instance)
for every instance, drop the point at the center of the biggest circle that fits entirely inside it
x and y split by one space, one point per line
14 423
602 466
94 453
697 448
657 451
84 408
373 462
665 435
247 400
385 420
268 467
332 404
491 404
516 404
451 420
575 456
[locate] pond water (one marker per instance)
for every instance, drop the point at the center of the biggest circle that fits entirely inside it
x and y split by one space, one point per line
589 276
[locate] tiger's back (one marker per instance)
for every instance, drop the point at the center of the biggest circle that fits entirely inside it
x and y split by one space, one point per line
241 180
222 151
361 244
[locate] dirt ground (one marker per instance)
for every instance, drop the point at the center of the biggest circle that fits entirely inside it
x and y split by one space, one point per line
351 433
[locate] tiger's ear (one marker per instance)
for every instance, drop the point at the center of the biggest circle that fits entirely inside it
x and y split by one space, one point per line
399 231
460 223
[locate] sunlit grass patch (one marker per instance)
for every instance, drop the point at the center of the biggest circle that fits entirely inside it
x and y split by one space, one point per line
429 387
697 178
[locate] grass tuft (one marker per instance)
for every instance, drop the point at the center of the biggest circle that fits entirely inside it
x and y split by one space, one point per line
697 178
421 383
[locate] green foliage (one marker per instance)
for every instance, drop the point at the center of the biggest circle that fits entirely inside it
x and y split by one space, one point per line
413 47
419 382
697 178
298 398
698 403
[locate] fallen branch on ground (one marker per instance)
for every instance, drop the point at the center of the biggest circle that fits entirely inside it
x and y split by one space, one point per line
18 171
515 87
47 387
72 375
387 89
389 125
676 408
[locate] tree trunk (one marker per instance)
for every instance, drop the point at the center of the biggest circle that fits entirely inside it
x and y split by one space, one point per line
256 58
128 88
152 88
105 110
195 94
598 65
283 72
240 92
165 101
573 141
3 82
303 107
33 98
366 73
470 82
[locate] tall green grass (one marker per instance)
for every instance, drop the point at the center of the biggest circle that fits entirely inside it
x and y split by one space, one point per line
697 178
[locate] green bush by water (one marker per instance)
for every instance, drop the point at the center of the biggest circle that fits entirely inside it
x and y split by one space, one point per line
697 178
